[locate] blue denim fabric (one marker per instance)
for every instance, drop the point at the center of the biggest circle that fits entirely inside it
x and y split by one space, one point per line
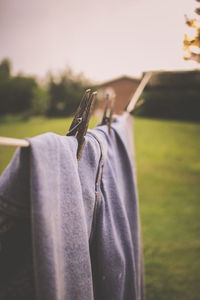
84 215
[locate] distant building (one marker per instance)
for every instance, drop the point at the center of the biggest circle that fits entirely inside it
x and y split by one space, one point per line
175 79
172 95
122 89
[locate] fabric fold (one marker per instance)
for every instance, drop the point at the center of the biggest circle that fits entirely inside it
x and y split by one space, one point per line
83 215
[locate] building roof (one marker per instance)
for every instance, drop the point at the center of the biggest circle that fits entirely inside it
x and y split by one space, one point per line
124 77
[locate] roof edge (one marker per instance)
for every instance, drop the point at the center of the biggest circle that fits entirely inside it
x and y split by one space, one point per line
118 79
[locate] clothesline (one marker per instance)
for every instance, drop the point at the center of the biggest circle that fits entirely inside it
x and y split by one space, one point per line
5 141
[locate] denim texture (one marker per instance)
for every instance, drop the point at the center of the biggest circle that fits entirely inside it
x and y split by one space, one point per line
83 216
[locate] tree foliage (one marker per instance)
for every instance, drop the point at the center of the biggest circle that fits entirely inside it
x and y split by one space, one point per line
191 44
5 69
15 91
60 96
39 101
65 93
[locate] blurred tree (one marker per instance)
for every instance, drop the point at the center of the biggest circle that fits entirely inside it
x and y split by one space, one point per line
191 43
21 94
5 69
39 101
15 91
16 94
65 93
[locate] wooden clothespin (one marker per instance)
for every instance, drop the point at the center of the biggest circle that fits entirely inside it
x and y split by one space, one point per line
108 112
81 119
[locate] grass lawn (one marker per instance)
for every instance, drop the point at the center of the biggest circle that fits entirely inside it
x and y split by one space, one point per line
168 169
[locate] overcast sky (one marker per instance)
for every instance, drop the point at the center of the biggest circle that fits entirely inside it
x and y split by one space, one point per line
102 38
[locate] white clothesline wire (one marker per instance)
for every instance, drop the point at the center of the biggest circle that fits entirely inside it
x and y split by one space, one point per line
6 141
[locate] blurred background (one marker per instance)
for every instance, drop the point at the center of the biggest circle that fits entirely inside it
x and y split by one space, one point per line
51 51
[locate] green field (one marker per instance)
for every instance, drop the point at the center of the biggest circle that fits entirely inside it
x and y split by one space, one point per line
168 169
